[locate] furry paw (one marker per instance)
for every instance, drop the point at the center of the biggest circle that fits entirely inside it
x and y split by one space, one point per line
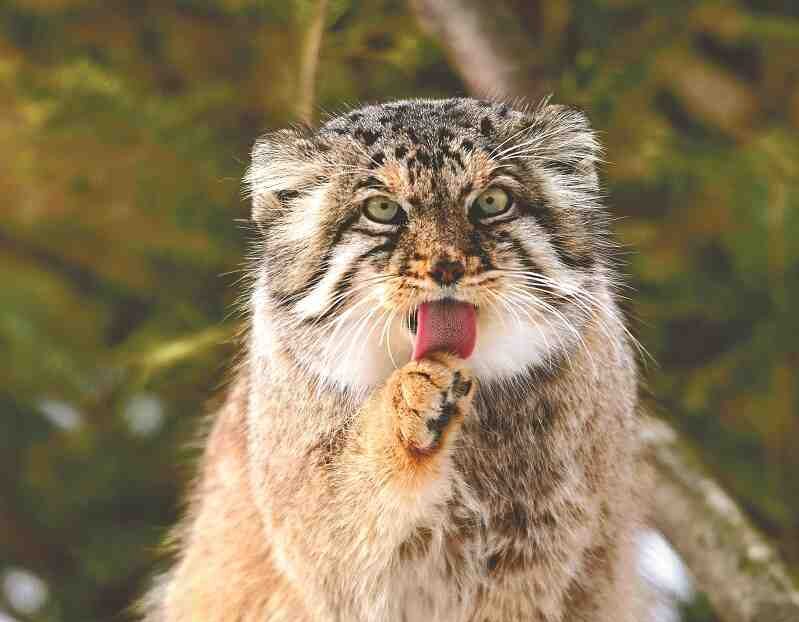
430 398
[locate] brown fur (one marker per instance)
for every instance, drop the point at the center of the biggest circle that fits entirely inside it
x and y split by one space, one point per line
436 495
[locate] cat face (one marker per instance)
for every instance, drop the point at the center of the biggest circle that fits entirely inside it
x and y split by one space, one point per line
396 205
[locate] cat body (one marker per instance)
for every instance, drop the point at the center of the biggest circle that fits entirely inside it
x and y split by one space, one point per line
435 414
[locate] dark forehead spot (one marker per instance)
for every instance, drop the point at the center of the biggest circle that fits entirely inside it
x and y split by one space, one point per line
397 109
355 116
400 152
444 134
366 136
486 127
378 159
423 157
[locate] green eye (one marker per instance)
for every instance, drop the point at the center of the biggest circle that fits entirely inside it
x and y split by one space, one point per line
382 209
492 202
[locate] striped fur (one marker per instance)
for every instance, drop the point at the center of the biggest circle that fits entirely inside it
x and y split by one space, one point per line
343 482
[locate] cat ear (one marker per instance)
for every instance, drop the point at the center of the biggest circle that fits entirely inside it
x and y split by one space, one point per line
283 164
564 142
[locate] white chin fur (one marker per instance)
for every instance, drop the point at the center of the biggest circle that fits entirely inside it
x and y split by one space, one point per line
508 346
365 360
360 359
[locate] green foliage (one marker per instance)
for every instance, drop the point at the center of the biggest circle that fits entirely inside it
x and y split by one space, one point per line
126 127
699 611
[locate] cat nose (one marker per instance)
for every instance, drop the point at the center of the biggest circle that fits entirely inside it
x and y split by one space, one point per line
447 272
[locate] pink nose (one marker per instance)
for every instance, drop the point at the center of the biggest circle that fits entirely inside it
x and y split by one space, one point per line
446 272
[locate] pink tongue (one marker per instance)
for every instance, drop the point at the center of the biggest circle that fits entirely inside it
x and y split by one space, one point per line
445 326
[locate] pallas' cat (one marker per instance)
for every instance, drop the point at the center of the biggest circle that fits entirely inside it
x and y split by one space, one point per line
434 419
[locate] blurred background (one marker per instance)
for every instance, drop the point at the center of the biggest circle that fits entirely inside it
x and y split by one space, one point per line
126 127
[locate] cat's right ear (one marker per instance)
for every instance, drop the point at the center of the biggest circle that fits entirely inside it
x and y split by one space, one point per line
283 164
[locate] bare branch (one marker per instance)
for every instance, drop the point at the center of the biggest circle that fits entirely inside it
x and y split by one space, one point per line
486 43
309 63
732 563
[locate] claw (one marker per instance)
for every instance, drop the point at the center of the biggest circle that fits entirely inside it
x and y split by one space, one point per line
460 387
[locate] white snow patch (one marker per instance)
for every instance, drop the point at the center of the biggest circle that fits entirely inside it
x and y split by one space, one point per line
666 574
24 591
144 414
60 414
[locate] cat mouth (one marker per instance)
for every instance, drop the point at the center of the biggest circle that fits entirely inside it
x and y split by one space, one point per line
445 325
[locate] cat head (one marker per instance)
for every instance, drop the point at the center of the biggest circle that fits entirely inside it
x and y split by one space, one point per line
396 205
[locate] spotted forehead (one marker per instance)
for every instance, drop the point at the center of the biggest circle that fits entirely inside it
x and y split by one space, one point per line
422 123
413 143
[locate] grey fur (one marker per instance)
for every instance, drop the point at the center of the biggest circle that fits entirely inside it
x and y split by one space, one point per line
325 494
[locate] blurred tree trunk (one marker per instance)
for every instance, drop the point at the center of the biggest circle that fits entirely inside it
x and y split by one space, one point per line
741 574
486 42
309 62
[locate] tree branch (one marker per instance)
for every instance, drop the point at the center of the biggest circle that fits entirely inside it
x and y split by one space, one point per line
732 563
309 63
486 43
